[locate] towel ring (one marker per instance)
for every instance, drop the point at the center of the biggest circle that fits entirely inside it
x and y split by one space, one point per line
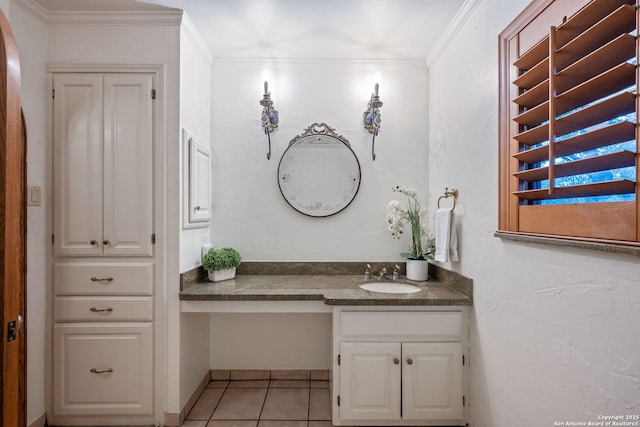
453 193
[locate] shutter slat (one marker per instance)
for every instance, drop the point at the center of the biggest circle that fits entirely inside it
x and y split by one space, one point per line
534 116
621 159
534 136
607 83
534 76
534 55
613 134
610 108
589 65
621 186
534 96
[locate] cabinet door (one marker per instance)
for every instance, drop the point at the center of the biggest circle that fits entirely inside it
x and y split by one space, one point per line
199 181
101 369
128 156
370 381
77 172
432 381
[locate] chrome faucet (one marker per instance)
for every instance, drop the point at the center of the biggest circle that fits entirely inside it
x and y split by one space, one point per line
367 272
396 272
382 273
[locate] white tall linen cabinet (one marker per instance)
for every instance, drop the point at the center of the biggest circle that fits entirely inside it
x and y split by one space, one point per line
103 248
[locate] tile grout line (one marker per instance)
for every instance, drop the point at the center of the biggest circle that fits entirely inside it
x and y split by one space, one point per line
265 399
218 403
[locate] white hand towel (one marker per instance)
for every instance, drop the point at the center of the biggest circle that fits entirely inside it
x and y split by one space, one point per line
453 239
446 236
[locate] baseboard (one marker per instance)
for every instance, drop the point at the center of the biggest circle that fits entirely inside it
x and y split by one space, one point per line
172 420
176 420
40 422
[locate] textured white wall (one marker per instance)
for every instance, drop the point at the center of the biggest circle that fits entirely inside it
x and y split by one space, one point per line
249 211
554 331
195 117
270 341
31 35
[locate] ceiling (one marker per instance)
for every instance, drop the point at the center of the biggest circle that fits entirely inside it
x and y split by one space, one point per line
361 29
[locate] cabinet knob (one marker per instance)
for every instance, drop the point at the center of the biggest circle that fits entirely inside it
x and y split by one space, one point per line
197 208
396 361
101 371
105 242
409 361
93 242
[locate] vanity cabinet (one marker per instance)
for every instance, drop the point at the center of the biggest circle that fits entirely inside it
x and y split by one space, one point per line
102 153
399 366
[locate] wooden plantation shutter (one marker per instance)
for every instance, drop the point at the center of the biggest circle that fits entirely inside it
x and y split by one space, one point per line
568 114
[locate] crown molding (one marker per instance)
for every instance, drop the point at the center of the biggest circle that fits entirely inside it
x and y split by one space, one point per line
452 29
193 34
32 8
131 17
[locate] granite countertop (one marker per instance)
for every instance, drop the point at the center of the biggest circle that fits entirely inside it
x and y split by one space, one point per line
332 289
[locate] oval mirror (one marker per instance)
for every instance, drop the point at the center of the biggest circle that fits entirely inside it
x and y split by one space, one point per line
319 174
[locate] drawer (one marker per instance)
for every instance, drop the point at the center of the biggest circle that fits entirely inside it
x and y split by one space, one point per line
78 278
102 369
102 309
435 324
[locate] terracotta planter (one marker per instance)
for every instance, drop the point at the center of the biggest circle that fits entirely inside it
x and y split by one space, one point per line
418 269
220 275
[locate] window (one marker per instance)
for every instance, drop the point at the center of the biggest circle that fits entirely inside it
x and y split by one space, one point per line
568 122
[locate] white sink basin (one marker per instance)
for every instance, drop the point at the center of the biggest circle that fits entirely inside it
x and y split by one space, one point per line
390 287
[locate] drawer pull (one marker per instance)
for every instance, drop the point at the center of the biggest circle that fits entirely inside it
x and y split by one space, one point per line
101 371
101 310
102 279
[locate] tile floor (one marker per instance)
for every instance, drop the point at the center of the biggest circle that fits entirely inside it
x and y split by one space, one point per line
263 399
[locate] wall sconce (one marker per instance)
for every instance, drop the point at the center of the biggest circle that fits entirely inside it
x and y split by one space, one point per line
372 118
269 115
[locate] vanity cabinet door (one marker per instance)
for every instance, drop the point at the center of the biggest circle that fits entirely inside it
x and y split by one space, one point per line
370 381
432 381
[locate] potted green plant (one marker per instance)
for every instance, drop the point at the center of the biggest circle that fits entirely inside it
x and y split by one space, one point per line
419 254
221 263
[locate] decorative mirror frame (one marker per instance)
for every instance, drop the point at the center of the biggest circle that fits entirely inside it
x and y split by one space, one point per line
316 133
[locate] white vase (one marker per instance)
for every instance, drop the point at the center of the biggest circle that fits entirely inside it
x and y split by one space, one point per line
220 275
418 270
